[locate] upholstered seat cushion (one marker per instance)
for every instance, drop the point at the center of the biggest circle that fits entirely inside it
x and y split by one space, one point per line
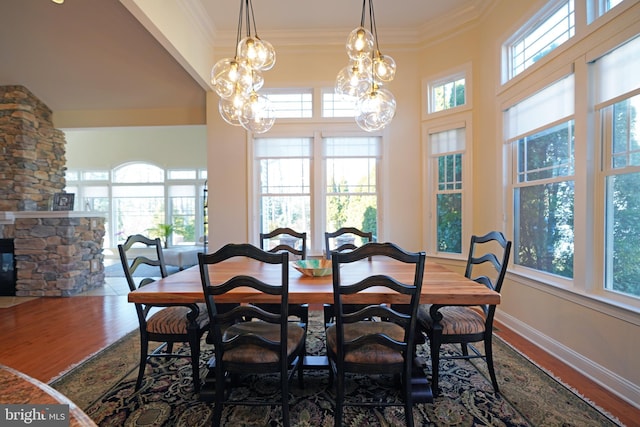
257 354
373 353
455 320
173 320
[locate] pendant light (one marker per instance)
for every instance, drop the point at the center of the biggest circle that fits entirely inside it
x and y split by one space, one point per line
237 80
365 75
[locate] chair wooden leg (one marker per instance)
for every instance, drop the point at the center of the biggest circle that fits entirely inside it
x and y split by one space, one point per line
194 343
339 399
284 381
434 342
144 349
488 351
219 399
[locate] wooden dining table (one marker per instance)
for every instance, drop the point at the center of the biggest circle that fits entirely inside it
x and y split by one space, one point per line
440 286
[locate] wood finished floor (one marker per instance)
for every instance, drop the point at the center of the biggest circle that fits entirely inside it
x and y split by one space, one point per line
47 336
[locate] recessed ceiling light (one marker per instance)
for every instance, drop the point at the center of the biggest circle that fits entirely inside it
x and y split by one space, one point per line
58 1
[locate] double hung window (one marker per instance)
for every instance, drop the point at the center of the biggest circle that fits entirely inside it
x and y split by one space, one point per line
336 175
617 89
540 137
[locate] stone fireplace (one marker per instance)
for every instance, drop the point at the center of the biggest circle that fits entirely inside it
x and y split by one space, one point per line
57 253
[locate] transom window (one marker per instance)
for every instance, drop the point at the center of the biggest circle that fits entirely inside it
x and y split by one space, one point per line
447 94
545 32
334 105
291 104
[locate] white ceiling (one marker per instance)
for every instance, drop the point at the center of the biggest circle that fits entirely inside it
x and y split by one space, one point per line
94 55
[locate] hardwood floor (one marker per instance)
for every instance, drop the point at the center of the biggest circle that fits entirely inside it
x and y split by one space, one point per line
46 336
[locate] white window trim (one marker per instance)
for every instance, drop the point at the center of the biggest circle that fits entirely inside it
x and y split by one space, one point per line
542 13
316 131
453 121
464 70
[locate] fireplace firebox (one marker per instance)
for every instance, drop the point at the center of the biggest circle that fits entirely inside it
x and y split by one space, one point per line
7 268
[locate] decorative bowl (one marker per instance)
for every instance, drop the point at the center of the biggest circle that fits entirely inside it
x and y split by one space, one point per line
313 267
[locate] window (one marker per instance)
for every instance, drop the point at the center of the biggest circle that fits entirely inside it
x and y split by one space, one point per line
294 103
553 26
284 190
351 191
617 77
447 94
446 154
334 105
540 136
337 175
597 8
141 196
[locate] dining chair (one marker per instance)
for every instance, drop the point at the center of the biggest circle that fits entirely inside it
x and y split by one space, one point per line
357 344
341 240
165 323
289 240
249 339
344 239
295 243
465 325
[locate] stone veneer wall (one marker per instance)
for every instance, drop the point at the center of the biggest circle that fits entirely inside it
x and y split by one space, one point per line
32 152
57 256
56 253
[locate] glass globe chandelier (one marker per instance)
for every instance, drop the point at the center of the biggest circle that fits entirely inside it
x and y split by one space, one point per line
237 80
365 75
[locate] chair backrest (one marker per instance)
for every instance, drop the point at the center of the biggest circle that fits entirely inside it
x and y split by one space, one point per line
492 249
291 241
221 316
400 314
345 239
156 259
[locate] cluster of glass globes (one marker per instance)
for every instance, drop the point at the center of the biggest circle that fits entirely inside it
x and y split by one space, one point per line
364 79
237 81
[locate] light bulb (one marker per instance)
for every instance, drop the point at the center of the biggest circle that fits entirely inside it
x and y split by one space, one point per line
228 75
359 43
253 51
375 110
257 115
384 67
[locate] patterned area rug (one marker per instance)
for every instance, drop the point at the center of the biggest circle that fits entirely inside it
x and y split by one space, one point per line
104 388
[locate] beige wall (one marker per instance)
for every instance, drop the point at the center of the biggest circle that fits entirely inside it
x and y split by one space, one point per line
163 146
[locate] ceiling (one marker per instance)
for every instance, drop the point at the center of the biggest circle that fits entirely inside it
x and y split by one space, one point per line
95 55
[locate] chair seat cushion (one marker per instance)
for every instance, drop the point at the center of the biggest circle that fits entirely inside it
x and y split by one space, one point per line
456 320
173 320
257 354
372 353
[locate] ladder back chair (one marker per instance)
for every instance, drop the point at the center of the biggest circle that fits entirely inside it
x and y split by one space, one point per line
167 323
343 239
290 240
358 344
295 243
465 325
249 339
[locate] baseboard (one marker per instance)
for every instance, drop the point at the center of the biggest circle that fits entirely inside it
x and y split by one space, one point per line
619 386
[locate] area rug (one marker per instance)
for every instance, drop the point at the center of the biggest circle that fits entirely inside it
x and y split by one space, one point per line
104 388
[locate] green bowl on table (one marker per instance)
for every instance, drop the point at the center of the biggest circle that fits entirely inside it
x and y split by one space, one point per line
313 267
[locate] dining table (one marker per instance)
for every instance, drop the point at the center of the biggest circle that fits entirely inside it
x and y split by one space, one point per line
440 286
